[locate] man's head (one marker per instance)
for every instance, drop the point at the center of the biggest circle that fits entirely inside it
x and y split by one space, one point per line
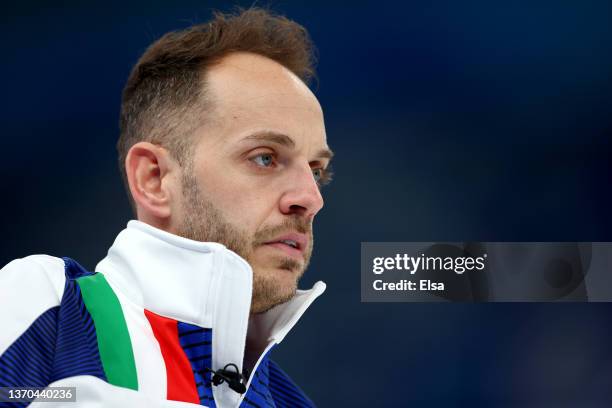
222 141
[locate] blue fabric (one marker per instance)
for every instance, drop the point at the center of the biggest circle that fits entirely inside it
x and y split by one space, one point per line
60 343
197 345
74 270
258 394
270 386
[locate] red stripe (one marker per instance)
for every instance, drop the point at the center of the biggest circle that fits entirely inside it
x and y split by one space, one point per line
181 383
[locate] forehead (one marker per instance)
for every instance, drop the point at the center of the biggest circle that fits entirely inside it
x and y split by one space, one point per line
250 92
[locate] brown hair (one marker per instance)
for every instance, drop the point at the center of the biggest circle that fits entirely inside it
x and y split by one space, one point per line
165 94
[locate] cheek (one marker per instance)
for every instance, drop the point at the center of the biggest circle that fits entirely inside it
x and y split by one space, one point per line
243 202
247 199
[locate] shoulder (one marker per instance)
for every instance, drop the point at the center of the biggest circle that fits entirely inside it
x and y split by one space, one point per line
28 287
35 269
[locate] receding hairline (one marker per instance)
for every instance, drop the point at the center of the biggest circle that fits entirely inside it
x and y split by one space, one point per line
237 63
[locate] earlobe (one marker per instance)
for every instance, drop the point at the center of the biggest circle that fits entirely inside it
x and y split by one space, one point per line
147 168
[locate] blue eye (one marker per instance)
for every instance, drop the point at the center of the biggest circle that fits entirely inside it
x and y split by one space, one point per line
264 160
322 176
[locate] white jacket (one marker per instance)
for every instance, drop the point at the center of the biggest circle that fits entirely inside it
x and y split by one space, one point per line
163 285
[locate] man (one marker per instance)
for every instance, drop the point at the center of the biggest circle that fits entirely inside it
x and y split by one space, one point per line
223 151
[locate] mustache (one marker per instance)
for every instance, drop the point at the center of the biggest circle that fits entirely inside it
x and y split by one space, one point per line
298 224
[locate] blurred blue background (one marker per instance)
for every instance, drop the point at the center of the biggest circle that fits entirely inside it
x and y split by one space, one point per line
451 121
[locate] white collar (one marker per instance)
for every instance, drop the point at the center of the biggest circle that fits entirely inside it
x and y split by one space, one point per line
201 283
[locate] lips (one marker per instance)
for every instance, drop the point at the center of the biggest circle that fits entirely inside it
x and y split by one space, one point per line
292 244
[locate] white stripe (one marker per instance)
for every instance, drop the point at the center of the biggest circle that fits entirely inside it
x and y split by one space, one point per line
28 287
230 298
150 366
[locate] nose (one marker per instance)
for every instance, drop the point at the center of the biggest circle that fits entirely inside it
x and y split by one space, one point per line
302 196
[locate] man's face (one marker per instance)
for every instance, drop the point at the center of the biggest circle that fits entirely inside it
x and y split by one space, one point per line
254 181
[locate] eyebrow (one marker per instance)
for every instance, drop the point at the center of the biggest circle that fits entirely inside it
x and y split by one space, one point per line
284 140
273 137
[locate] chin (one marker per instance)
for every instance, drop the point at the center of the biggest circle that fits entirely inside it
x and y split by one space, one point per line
263 305
273 286
281 282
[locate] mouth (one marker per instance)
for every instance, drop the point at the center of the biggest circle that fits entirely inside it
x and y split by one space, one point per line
291 244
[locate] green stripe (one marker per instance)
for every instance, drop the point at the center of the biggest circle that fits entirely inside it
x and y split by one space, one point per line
113 337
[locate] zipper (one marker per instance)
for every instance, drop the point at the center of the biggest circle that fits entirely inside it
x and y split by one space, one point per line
252 374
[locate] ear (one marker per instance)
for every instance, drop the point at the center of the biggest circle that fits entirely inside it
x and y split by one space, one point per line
150 172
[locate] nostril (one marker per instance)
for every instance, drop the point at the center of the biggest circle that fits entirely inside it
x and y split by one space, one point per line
297 209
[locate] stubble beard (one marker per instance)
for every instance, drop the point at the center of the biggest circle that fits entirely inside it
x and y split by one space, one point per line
204 222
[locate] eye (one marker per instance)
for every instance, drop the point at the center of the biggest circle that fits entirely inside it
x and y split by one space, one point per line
263 160
322 176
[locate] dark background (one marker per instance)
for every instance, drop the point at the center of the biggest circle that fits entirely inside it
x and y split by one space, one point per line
451 121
